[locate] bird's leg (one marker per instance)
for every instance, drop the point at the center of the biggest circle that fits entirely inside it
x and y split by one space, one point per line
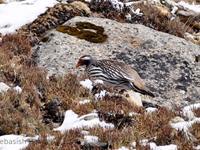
118 92
122 91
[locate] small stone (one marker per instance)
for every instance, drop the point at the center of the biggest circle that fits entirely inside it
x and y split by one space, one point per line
182 92
134 98
88 117
177 119
189 114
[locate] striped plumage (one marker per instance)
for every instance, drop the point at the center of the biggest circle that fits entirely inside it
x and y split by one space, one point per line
114 73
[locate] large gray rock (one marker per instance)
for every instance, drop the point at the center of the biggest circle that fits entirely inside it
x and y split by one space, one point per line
165 62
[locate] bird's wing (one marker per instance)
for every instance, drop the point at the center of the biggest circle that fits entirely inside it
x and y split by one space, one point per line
119 71
136 78
127 73
113 69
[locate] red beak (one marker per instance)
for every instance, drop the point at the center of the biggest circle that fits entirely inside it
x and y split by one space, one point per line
78 63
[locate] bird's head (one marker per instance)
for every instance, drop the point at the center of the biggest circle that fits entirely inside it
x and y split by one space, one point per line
85 60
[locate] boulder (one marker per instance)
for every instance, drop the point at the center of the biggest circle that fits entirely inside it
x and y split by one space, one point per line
165 62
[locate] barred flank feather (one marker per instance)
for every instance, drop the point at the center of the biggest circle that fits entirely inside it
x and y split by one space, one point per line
114 73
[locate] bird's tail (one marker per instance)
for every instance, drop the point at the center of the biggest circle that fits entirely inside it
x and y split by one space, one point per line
143 90
148 92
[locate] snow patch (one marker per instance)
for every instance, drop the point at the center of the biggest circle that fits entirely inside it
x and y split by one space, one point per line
100 95
151 110
72 121
14 15
84 102
3 87
18 89
87 84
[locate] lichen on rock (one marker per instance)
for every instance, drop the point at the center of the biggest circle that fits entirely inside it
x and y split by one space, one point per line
86 31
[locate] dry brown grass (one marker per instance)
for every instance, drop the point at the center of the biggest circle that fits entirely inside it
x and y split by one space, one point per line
152 17
19 111
197 112
66 141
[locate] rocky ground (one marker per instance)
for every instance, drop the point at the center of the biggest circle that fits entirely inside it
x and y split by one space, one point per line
165 62
43 96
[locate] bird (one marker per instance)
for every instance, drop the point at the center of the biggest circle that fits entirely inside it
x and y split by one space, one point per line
113 73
